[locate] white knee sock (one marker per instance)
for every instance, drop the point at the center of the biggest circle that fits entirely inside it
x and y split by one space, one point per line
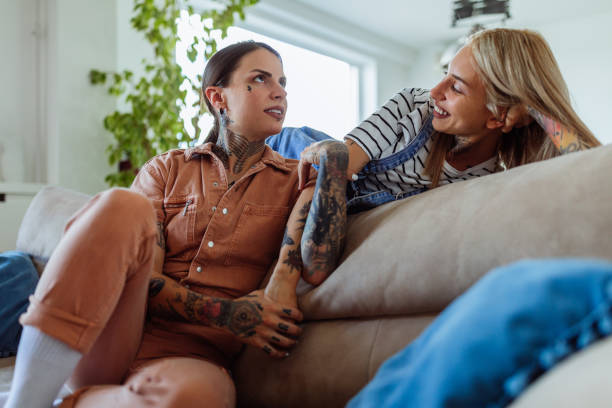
42 366
3 398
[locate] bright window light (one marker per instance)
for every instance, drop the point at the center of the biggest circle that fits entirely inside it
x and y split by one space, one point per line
322 92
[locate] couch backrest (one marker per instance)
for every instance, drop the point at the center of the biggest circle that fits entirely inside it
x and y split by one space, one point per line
44 221
417 255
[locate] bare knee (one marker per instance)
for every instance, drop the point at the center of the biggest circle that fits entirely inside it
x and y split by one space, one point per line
202 394
179 382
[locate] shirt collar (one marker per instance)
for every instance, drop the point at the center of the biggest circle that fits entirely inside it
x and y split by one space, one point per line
269 157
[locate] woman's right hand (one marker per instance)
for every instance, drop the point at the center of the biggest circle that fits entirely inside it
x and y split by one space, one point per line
258 320
517 116
330 149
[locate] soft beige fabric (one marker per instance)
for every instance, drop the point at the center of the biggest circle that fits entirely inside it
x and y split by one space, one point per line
331 363
416 255
44 221
6 373
583 380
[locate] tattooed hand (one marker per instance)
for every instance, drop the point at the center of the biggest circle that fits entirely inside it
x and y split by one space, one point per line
330 149
254 319
258 320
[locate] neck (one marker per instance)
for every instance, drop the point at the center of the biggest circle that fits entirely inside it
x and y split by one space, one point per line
472 150
236 151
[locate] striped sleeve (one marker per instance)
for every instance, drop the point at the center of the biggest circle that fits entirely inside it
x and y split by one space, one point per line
382 129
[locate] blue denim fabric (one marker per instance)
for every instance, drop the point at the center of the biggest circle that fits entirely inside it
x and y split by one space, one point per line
18 279
512 326
366 200
291 141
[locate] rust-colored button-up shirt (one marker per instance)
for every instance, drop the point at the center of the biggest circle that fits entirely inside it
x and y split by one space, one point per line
220 240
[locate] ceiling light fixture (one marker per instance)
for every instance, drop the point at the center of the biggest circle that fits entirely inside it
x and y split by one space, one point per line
472 10
478 15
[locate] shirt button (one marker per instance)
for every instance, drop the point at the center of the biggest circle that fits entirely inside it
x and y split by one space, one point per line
215 184
224 211
211 244
214 208
199 269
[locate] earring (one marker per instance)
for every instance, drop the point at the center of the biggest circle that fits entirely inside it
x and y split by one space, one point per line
224 119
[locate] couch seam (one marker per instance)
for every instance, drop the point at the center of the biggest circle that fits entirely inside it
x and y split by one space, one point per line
371 353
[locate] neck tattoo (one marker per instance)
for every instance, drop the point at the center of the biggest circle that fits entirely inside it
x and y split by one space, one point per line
233 144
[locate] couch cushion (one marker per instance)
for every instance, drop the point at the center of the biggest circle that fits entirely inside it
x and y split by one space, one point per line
583 380
331 363
417 255
44 221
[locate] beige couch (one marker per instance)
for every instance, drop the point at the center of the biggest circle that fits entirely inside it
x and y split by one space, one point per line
404 262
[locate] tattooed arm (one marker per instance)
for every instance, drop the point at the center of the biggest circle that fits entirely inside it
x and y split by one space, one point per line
254 319
288 269
316 229
325 227
566 140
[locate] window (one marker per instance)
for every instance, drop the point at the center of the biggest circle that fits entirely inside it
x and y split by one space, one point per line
322 93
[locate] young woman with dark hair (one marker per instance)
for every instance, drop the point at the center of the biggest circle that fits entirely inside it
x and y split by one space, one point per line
152 291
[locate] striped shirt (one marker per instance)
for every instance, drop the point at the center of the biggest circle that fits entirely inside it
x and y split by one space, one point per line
390 130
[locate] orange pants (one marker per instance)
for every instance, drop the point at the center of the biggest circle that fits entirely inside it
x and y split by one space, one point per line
93 295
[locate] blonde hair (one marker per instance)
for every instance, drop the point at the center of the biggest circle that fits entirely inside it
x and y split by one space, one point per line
517 66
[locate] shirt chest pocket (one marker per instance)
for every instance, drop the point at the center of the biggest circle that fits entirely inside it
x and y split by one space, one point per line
258 235
180 226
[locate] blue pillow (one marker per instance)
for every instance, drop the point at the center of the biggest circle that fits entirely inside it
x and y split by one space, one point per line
291 141
18 279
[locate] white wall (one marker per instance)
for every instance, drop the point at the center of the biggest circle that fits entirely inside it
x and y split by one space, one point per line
82 36
18 78
384 63
583 48
51 115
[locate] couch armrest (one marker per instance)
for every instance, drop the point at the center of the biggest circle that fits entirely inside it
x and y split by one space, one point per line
44 221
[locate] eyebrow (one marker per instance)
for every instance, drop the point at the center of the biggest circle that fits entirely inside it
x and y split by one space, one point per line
282 80
458 78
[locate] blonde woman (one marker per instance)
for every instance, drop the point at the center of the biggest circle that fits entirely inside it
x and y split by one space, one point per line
473 123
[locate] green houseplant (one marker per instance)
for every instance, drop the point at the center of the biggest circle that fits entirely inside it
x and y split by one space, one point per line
150 124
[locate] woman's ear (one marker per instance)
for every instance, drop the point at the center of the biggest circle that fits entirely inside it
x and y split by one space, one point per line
215 96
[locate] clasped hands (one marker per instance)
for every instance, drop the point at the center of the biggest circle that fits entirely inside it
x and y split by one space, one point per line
265 323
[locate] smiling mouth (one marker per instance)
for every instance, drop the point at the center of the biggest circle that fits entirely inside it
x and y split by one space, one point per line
440 112
276 113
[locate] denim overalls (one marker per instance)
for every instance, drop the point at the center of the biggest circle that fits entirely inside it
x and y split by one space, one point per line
364 200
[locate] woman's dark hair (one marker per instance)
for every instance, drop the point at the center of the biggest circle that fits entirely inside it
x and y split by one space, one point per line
219 70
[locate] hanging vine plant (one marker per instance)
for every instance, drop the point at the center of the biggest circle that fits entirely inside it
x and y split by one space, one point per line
151 122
